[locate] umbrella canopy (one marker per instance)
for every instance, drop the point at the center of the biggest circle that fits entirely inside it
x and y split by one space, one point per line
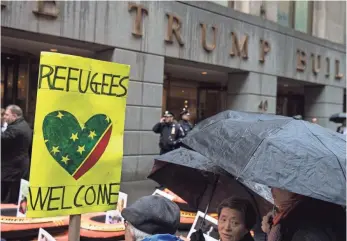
191 176
276 151
338 118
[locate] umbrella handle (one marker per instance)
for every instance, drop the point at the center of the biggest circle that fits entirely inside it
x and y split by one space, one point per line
209 201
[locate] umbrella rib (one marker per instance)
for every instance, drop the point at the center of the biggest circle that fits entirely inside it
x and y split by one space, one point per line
344 174
278 129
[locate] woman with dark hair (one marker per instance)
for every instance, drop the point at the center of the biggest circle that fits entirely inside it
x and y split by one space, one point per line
300 218
236 218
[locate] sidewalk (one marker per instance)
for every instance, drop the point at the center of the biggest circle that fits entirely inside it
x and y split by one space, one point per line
138 189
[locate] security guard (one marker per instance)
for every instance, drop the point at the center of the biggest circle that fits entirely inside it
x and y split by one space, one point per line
184 122
171 133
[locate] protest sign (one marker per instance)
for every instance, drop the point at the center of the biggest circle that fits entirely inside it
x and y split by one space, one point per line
44 236
78 136
207 224
158 192
115 216
23 198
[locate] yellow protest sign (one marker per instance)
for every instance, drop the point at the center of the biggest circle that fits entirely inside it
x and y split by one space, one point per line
78 136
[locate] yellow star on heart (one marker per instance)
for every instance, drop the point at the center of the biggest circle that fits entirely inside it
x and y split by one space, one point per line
107 119
80 149
65 159
55 149
74 137
60 115
92 134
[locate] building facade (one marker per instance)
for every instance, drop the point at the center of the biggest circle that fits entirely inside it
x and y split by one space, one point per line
283 58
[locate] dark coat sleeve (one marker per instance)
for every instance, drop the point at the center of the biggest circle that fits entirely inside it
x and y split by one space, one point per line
157 128
9 138
312 235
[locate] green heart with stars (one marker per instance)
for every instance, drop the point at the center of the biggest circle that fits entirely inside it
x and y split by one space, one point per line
75 147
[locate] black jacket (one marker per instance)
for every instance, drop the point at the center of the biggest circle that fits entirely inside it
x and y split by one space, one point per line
170 135
186 126
15 144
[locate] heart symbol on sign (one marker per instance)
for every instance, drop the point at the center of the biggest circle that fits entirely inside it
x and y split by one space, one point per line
76 148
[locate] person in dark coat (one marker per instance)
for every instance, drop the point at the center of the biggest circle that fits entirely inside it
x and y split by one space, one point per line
184 122
170 133
300 218
15 143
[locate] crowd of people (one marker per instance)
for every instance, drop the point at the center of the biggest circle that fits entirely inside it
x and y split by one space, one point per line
296 218
16 141
155 218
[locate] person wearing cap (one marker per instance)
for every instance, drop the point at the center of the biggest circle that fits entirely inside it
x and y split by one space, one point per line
151 218
170 133
184 122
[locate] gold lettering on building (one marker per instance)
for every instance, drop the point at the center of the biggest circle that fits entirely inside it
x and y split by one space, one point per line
140 10
300 60
239 49
315 64
173 28
47 9
264 49
338 75
205 45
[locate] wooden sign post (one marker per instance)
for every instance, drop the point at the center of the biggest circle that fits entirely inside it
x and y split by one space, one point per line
74 227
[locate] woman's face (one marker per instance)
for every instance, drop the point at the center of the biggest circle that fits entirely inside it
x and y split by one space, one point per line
231 225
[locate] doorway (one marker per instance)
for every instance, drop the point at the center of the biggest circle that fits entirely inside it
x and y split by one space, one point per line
9 75
210 101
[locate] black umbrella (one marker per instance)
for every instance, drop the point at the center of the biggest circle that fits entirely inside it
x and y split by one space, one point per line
193 177
338 118
276 151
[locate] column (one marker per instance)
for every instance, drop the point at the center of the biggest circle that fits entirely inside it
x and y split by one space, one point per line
246 91
321 102
143 110
319 19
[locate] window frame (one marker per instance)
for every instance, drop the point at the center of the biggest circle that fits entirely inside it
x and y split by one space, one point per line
292 11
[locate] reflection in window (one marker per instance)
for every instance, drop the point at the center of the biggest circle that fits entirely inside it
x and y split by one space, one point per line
223 3
284 13
301 21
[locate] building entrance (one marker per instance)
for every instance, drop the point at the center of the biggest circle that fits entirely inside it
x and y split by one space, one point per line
9 75
202 92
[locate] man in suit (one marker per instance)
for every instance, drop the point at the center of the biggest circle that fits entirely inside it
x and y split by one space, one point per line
15 143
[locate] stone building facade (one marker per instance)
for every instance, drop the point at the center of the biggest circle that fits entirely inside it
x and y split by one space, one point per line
254 56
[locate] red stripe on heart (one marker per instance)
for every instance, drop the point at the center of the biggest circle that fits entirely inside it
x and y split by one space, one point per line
95 155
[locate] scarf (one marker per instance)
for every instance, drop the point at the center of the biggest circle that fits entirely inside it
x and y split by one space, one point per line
286 207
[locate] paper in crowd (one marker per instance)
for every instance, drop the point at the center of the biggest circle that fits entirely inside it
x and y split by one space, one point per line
115 216
163 194
23 198
44 236
209 227
77 150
